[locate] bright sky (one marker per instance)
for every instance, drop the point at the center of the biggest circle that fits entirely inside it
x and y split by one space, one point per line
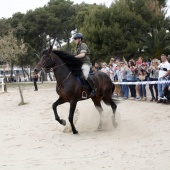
9 7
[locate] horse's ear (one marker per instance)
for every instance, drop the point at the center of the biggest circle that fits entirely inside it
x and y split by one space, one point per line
50 49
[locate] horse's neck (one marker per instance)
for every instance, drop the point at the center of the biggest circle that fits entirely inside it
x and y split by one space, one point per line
61 71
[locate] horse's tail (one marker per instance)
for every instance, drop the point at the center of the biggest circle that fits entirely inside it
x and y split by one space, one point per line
113 88
106 100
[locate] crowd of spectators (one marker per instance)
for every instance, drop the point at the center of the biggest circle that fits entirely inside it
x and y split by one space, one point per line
138 71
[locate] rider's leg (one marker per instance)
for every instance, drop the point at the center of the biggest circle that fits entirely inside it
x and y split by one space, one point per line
86 69
91 83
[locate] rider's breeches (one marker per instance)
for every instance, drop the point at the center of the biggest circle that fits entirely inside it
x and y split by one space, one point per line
86 69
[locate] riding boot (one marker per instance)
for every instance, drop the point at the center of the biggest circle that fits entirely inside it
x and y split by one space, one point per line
91 83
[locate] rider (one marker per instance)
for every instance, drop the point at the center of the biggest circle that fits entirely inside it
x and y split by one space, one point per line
82 51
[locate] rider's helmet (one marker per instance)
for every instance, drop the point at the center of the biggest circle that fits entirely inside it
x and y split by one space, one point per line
78 35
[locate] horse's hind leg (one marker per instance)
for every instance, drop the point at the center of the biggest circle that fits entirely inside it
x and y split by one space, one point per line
100 110
54 106
71 116
113 106
108 100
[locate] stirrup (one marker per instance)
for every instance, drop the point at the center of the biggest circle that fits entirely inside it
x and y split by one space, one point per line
84 95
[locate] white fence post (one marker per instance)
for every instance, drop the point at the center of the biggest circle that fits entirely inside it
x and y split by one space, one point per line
4 89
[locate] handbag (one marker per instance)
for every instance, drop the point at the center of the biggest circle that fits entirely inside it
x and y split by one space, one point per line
141 77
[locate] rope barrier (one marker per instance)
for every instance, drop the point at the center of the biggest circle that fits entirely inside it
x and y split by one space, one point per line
143 82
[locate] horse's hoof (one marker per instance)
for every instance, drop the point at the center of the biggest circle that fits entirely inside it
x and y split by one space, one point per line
99 128
75 132
63 122
115 124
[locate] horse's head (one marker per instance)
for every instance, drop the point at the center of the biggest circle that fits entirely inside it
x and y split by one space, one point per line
45 61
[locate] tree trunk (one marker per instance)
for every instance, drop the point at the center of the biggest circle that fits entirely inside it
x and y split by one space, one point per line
42 76
21 95
11 72
30 73
53 42
50 76
27 74
23 71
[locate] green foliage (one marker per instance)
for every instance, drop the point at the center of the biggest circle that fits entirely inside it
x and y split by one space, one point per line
61 21
11 50
4 26
156 43
123 29
117 31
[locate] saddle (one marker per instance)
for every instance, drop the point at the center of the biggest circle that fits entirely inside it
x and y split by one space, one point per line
84 84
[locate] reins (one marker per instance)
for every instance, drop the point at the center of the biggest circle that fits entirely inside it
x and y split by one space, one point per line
59 87
53 68
56 67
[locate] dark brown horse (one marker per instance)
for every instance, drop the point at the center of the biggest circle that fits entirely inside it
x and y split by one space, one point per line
67 69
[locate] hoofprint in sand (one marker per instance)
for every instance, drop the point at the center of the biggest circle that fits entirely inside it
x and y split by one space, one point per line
31 139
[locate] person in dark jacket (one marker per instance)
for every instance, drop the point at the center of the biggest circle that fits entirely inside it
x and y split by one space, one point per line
35 78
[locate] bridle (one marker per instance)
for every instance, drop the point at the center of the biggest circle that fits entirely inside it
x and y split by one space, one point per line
47 70
54 68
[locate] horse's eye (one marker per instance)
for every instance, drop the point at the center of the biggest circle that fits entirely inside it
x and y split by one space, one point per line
44 56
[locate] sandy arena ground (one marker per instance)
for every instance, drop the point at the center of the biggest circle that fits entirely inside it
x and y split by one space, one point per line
31 139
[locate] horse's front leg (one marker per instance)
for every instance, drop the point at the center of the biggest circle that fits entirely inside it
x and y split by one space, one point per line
54 106
71 116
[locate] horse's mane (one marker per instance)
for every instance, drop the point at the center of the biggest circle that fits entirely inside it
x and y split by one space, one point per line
71 62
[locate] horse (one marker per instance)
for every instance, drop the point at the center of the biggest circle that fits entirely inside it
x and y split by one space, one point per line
67 70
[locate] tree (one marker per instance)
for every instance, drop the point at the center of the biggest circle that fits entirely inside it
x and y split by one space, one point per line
4 26
155 39
11 49
61 21
113 31
156 43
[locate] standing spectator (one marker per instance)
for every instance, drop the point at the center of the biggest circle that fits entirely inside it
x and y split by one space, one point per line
92 70
35 78
142 76
153 76
125 90
117 78
121 74
97 66
164 72
112 66
131 77
168 58
112 62
166 93
139 61
19 79
105 68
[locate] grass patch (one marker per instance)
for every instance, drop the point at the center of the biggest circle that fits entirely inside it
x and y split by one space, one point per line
22 103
